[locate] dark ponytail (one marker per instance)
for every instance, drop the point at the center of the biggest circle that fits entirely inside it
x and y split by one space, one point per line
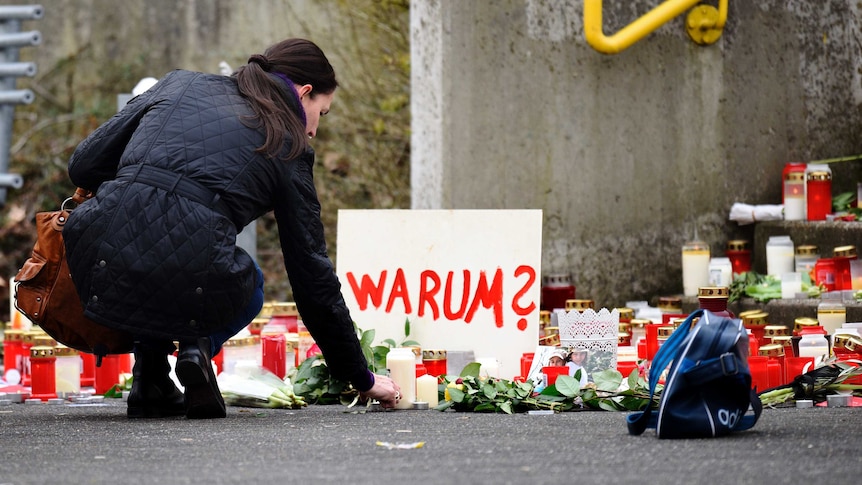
265 80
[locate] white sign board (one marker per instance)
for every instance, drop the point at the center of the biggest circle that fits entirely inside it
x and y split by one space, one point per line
465 279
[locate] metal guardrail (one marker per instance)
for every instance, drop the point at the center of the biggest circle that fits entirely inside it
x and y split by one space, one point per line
11 39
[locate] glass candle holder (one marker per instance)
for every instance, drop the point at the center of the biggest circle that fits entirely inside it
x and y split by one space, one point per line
818 195
695 267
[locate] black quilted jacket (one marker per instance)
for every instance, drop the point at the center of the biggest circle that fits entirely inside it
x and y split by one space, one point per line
150 261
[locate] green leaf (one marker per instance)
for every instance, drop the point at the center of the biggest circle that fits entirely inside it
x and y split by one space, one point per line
490 391
408 343
390 342
506 407
568 386
841 202
407 327
523 391
456 394
608 380
471 370
608 405
367 338
633 379
444 405
486 407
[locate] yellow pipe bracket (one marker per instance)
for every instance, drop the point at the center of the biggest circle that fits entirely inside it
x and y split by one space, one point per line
704 23
704 26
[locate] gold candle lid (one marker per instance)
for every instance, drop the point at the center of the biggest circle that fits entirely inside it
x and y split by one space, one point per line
713 292
552 331
665 331
41 351
623 337
266 309
774 330
284 308
803 322
626 313
579 304
44 340
848 251
30 335
782 340
434 354
61 350
624 327
755 320
819 175
745 313
544 316
738 245
417 351
676 322
257 324
670 304
242 341
550 340
14 335
640 322
794 176
771 350
806 250
853 344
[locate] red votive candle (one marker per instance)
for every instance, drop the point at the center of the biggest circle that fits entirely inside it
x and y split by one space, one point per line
274 353
107 374
12 348
42 374
738 252
553 371
88 370
434 361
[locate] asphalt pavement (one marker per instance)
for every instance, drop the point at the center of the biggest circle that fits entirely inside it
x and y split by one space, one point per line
96 443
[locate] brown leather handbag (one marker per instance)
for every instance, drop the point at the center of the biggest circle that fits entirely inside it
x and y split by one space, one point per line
44 291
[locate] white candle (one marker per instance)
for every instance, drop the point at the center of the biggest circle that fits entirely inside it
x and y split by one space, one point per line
832 319
489 368
779 256
402 369
695 268
426 390
794 208
791 284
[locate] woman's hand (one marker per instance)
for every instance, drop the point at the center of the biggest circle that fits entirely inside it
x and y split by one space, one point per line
384 390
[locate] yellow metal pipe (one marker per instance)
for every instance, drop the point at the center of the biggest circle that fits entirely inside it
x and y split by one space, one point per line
640 28
722 14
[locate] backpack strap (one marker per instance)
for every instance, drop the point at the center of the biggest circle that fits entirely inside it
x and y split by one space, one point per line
726 364
749 420
639 422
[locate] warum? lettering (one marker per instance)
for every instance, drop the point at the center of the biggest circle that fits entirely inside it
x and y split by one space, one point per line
484 294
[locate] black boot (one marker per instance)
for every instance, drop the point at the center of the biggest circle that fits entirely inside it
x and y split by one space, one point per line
194 369
153 393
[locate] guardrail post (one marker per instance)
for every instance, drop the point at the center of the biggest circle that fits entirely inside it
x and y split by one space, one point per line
11 39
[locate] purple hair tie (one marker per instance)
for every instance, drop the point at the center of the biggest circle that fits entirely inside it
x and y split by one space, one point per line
294 92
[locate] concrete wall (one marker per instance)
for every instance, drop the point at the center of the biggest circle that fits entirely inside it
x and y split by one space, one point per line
628 155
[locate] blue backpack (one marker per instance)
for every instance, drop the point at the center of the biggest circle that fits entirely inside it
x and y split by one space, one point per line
707 390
